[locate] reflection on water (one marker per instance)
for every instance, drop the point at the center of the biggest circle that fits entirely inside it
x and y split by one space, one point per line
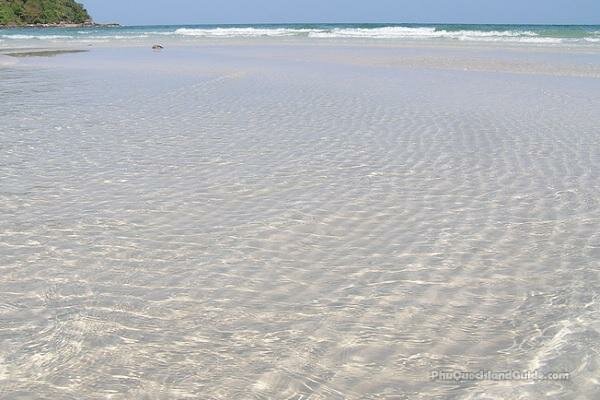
285 226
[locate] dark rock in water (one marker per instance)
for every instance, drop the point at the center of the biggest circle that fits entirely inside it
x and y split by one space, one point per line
157 47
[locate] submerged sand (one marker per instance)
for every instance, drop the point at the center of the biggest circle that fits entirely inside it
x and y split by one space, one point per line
42 53
297 221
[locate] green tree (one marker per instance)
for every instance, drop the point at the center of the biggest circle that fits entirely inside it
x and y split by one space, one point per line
18 12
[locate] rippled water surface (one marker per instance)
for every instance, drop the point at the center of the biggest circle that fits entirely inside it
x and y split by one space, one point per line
299 221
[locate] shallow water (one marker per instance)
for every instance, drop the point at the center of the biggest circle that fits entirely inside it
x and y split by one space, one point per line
298 221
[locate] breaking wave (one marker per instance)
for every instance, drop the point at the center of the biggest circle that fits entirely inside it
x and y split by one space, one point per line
470 33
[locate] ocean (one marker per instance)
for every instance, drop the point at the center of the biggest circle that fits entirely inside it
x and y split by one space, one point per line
530 34
300 212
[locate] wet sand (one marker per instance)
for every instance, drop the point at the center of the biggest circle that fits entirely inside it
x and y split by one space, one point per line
293 221
43 53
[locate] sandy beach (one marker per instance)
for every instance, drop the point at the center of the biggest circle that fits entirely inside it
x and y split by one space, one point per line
288 219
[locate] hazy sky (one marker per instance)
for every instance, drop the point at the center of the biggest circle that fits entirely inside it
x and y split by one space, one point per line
141 12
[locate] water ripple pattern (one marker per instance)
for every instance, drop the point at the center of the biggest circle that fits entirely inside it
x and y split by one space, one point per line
274 224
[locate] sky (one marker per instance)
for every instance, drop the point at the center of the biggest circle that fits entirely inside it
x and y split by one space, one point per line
157 12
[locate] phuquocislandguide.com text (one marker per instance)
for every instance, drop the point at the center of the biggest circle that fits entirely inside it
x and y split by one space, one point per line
450 375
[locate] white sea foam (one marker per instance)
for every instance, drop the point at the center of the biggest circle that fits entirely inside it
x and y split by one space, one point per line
316 32
418 33
387 32
244 32
369 33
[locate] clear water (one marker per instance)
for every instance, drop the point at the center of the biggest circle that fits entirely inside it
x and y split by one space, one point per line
291 221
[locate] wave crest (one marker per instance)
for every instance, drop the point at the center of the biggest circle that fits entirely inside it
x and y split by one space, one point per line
244 32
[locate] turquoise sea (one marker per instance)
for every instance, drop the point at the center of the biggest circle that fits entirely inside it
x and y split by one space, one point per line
533 34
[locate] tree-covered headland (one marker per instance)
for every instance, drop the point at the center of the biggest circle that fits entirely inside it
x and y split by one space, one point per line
38 12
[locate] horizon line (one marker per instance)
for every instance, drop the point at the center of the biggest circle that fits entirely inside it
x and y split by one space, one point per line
350 23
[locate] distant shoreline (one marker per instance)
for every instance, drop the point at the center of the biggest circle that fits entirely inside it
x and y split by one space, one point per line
62 25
